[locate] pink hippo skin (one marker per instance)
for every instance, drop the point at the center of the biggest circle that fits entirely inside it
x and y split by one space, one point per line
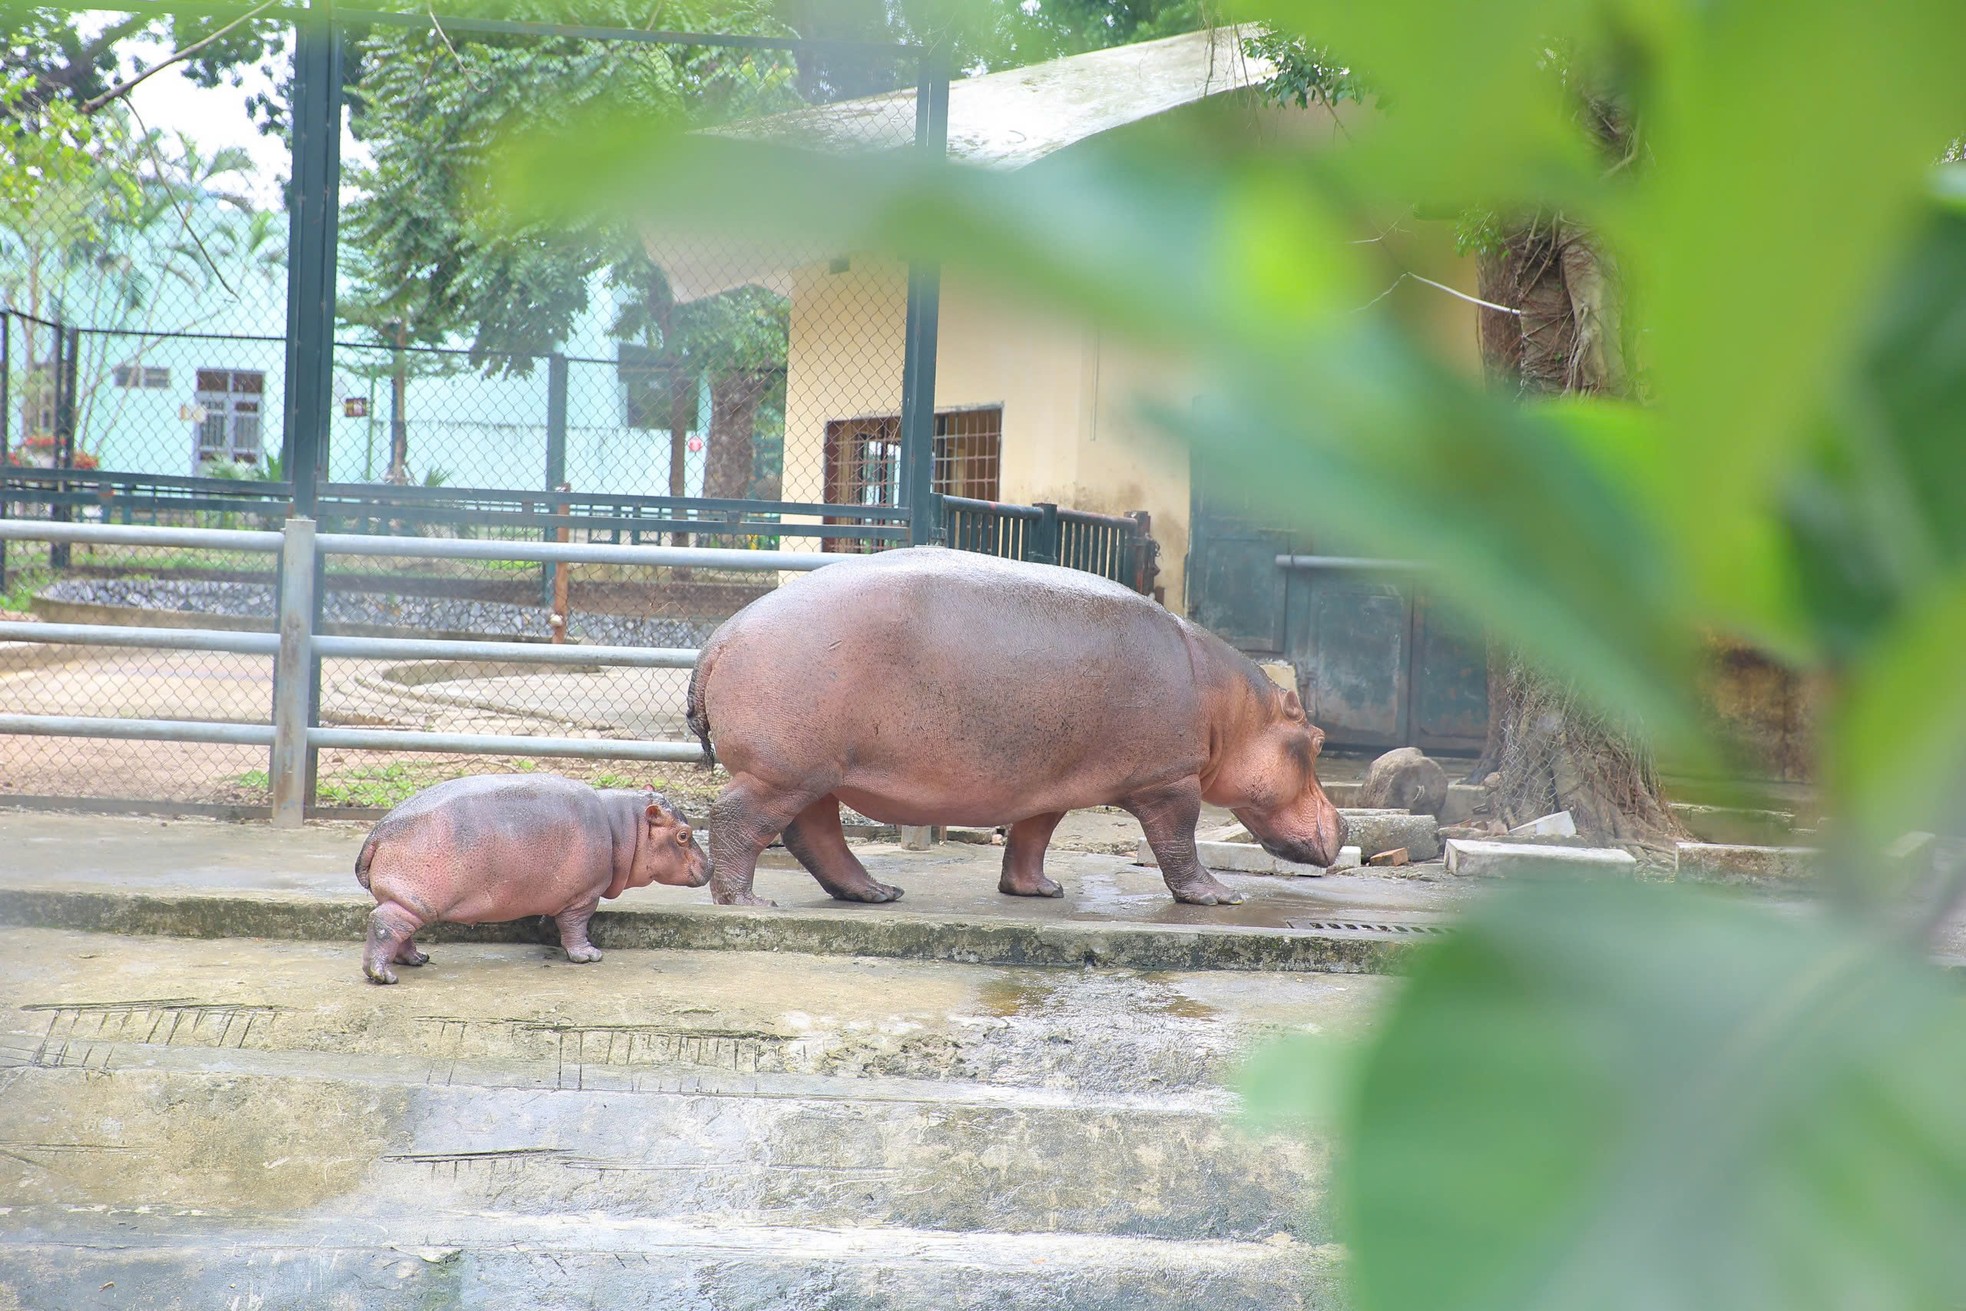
933 686
503 847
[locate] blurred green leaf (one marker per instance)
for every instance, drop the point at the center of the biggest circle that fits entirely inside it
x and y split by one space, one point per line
1474 93
1899 740
1616 1095
1298 1081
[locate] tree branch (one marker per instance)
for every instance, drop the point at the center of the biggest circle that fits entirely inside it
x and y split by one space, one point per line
94 103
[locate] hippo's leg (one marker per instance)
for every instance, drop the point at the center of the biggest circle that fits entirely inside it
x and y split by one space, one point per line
390 926
1168 816
815 838
1023 858
747 815
408 953
573 932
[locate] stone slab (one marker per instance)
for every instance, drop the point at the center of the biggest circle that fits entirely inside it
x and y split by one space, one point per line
1733 862
1559 825
1474 858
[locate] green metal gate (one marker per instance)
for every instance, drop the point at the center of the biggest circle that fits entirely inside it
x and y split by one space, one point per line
1380 663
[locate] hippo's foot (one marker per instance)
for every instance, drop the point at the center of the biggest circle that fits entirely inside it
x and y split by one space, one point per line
743 899
867 890
586 955
1206 892
379 973
1024 887
411 954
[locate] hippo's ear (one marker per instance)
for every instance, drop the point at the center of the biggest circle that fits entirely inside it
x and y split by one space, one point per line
1292 707
656 816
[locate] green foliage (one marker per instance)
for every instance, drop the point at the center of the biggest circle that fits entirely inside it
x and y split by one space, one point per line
431 248
1305 74
1613 1096
1620 1096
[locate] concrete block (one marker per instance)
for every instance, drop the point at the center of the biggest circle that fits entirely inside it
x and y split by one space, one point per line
1374 831
917 837
1474 857
1237 857
1281 673
1733 862
1248 858
1559 825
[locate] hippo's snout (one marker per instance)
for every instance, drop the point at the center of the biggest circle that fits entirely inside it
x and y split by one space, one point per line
1321 847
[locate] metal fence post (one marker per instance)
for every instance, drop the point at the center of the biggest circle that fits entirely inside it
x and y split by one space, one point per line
1042 546
293 676
68 342
311 243
556 459
924 311
6 422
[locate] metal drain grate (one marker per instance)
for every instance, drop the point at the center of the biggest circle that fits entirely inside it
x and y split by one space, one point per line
1358 926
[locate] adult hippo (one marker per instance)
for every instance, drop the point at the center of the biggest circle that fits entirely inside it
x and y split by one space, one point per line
932 686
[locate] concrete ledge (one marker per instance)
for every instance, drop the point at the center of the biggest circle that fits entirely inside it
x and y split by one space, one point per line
1248 858
872 932
1469 856
1724 862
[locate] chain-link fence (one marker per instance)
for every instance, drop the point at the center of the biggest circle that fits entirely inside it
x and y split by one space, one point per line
476 378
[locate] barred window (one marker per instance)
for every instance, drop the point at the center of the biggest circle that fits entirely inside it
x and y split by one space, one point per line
229 424
863 461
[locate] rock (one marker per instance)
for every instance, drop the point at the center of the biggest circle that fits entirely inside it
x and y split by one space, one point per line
1404 779
1397 856
1471 857
1733 862
1382 830
1559 825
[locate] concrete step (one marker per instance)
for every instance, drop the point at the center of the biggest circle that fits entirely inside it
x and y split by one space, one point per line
189 1118
766 1156
125 1260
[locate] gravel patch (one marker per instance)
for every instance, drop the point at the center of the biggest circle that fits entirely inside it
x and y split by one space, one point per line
493 619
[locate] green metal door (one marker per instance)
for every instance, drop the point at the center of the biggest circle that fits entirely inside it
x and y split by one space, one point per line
1235 589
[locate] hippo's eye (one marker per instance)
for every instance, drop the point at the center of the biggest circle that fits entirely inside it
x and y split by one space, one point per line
683 836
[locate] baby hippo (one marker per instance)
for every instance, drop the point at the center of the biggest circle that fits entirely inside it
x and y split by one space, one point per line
502 847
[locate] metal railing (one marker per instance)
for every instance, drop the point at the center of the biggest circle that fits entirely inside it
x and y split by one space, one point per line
296 648
1119 547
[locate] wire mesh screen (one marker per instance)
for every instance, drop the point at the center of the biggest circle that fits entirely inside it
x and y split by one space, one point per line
692 366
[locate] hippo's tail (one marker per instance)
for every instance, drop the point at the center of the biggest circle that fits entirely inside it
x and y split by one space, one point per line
363 860
697 714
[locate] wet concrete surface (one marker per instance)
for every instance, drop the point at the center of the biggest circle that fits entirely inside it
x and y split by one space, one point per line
207 878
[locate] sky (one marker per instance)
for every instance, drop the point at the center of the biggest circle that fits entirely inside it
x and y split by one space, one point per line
215 117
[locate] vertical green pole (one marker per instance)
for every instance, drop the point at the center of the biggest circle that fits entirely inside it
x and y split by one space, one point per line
556 456
312 206
924 309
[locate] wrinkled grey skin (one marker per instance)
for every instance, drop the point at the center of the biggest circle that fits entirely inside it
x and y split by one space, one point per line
502 847
931 686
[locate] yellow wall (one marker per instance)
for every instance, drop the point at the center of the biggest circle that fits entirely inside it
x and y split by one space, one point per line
1071 434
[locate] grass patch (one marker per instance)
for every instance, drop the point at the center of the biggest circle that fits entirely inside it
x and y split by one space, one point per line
383 786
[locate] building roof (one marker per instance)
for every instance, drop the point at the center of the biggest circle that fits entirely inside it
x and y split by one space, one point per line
996 120
1009 119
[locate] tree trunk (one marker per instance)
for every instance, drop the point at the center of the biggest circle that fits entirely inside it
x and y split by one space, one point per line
1546 752
734 401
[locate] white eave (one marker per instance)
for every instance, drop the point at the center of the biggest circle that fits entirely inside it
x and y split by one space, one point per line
1009 119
